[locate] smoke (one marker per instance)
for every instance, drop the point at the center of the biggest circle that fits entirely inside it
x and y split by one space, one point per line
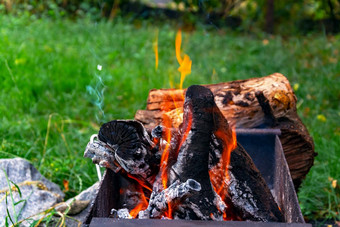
96 91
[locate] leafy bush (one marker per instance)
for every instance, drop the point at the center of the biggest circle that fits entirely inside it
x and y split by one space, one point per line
289 16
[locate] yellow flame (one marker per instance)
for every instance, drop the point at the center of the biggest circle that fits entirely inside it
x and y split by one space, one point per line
185 63
178 46
155 49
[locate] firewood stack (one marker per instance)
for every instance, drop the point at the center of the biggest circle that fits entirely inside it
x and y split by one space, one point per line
267 102
207 175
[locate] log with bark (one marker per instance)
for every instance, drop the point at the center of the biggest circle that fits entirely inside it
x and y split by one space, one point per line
267 102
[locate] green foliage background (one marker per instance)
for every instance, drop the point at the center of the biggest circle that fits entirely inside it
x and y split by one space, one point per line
53 97
290 16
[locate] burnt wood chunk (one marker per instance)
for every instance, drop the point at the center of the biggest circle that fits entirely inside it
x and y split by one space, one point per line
246 189
126 145
266 102
192 161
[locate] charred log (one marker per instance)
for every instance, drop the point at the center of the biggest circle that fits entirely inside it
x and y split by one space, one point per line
126 145
246 189
246 193
192 161
120 213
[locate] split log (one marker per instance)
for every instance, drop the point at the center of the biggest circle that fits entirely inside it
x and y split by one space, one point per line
267 102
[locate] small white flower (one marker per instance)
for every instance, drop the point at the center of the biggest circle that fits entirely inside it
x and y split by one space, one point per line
99 67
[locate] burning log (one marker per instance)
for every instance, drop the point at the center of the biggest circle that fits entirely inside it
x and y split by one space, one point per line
248 191
245 191
254 103
193 155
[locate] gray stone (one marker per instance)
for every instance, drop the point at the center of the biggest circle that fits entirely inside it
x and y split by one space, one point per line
38 193
77 203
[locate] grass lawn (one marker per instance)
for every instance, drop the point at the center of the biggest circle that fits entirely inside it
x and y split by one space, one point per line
53 97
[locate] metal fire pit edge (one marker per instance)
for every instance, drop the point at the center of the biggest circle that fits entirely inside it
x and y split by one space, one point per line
264 147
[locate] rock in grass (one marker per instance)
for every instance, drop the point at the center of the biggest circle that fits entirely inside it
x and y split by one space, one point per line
35 193
81 205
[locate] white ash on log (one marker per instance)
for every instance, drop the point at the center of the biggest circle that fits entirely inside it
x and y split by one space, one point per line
172 196
240 103
120 213
127 145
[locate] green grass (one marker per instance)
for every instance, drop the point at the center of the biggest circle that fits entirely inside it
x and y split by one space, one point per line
48 114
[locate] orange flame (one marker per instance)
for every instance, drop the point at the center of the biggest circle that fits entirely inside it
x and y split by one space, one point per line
167 136
143 204
186 132
185 69
178 44
155 49
141 183
165 154
219 174
184 64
